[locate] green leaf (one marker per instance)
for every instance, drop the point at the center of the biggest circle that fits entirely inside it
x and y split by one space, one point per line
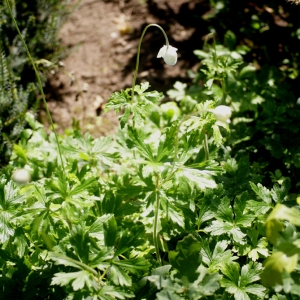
200 178
96 229
138 138
279 193
259 208
62 259
166 143
243 217
109 292
217 135
80 242
133 265
78 279
232 270
119 277
130 238
218 257
187 258
240 285
167 295
274 221
274 267
262 192
247 72
10 200
172 212
110 231
230 40
206 284
117 100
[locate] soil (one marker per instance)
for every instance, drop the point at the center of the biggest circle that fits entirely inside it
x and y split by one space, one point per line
102 38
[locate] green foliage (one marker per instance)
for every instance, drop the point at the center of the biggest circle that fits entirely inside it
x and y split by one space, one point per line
176 205
13 105
39 23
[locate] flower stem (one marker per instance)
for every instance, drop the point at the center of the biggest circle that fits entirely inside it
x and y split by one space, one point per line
206 147
39 82
155 233
138 55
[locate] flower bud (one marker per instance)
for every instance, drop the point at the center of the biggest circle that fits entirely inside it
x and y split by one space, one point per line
21 176
222 113
168 54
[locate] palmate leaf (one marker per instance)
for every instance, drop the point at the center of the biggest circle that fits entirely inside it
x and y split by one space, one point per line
241 284
222 227
243 217
280 192
259 249
262 192
130 238
218 257
6 228
138 138
167 142
117 101
77 279
274 267
172 211
205 285
259 208
187 258
96 229
139 107
207 205
10 200
274 223
80 242
231 220
119 277
200 179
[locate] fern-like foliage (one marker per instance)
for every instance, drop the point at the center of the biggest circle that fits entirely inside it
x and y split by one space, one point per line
39 22
13 106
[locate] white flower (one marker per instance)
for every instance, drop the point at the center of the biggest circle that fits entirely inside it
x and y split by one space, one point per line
168 54
21 176
222 113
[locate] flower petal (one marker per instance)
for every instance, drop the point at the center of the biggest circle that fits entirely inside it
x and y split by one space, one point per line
162 52
169 55
222 113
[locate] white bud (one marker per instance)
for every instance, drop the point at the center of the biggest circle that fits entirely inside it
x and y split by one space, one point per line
169 55
21 176
222 113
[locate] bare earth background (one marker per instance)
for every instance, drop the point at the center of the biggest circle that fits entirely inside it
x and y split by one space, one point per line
102 38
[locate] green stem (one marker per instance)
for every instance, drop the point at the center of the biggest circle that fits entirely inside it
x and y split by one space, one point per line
155 233
83 266
39 82
138 55
206 147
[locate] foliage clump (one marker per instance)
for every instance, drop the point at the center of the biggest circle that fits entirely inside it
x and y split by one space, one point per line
179 204
39 22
